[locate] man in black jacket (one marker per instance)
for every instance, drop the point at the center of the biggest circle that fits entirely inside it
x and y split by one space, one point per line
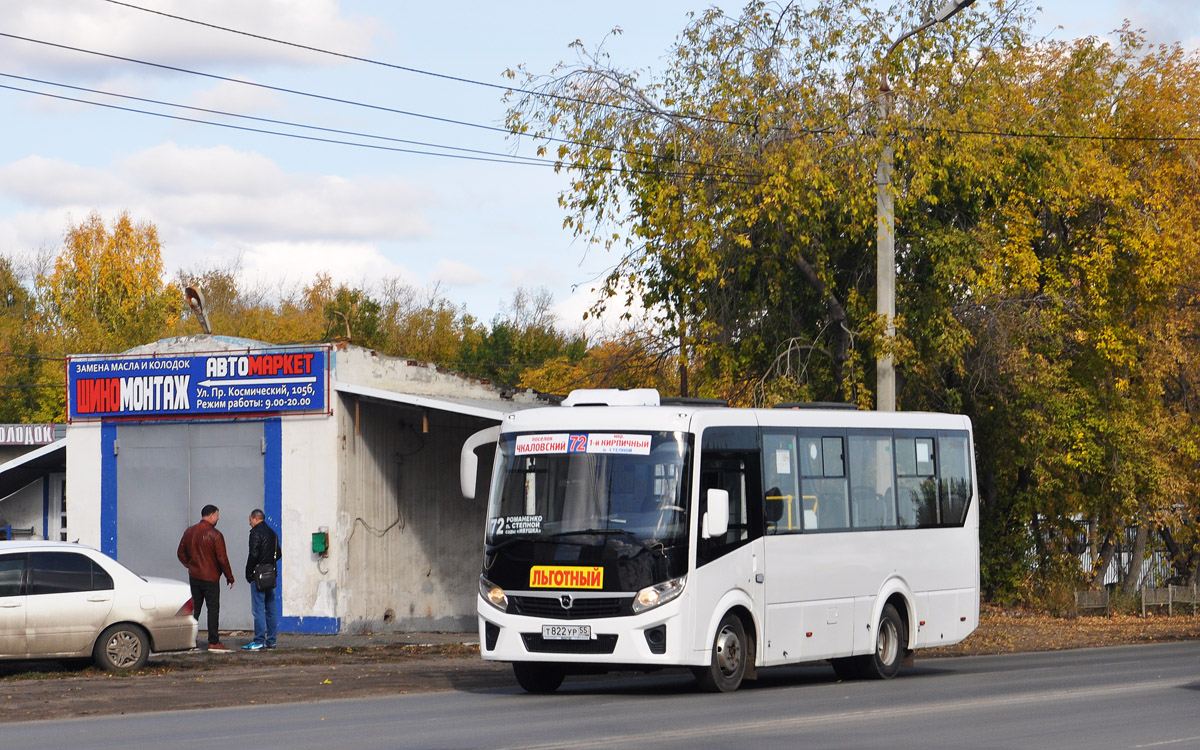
264 551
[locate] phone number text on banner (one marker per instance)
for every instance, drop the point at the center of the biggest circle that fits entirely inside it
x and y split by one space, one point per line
209 384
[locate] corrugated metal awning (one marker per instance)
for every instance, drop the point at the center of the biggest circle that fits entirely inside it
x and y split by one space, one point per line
35 464
475 407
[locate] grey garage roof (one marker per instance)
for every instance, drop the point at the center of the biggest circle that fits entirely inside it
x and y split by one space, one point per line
35 464
475 407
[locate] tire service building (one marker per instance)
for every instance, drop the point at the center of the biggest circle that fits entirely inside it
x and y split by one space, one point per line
352 455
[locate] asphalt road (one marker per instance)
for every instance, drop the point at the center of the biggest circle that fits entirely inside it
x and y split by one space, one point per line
1126 697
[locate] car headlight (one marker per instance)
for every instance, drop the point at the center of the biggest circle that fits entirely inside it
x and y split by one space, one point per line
493 594
660 593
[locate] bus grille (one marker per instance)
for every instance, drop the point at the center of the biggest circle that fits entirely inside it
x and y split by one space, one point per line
601 644
581 609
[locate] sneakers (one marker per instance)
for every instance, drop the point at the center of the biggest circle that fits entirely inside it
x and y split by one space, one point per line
218 648
270 646
254 646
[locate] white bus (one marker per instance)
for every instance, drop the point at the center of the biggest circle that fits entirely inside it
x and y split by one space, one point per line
628 533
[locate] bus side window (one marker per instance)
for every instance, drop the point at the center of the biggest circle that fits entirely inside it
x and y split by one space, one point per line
823 470
873 504
954 478
916 482
781 503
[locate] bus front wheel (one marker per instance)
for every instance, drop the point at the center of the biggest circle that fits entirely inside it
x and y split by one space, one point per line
727 666
891 639
535 677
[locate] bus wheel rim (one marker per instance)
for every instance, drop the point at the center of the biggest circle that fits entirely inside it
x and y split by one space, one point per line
888 643
729 652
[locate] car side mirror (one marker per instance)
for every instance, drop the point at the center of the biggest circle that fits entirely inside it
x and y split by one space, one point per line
716 519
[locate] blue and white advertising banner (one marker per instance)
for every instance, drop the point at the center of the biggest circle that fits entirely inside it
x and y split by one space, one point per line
209 384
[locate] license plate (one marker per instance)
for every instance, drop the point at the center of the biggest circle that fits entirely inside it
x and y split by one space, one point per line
567 632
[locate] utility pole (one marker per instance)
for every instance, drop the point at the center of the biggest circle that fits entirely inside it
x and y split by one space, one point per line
885 223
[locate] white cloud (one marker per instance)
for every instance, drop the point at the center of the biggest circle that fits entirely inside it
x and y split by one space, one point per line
174 170
284 263
221 202
1165 21
611 322
534 276
224 194
456 273
106 27
49 183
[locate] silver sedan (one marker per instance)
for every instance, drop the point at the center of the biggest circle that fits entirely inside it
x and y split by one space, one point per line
64 601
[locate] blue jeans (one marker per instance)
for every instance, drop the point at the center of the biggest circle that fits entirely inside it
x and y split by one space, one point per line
265 607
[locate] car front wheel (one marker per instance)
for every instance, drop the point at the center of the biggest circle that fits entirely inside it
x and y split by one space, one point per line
122 648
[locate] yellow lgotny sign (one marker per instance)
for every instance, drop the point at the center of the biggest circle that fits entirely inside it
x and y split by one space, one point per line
551 576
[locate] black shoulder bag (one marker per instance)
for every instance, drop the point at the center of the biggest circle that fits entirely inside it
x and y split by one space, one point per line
265 575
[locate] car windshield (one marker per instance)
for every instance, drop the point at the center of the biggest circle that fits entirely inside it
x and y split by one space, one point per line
587 488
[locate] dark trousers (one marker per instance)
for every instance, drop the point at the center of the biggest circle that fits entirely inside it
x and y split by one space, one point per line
209 591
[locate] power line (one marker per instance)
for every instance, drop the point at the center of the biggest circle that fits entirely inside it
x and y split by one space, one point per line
619 107
274 121
443 76
350 102
527 160
1030 135
281 89
546 163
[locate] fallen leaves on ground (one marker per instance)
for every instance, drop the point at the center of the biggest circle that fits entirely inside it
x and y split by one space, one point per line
1005 631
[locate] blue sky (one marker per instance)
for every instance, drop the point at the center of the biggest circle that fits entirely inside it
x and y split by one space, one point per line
289 208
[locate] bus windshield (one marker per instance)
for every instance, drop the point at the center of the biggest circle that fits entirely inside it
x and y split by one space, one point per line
567 487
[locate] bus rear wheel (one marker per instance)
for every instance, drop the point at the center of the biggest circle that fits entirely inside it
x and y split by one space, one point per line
891 639
536 677
727 666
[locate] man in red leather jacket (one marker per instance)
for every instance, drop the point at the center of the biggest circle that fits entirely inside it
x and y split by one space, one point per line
202 551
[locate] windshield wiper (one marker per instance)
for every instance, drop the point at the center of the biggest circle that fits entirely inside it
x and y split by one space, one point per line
656 546
497 546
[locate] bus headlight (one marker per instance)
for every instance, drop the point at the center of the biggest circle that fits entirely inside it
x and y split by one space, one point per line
660 593
493 594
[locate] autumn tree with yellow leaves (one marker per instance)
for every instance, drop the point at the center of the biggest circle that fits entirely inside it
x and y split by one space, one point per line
1047 214
106 292
1046 210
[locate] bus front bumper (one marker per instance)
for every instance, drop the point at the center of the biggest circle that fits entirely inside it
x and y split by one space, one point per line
653 638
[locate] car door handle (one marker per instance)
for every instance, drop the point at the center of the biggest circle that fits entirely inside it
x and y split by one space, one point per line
99 598
10 606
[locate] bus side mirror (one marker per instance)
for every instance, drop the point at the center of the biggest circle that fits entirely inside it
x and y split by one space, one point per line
468 462
716 520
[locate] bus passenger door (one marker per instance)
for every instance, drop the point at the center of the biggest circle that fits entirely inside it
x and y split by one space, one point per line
810 592
783 518
729 568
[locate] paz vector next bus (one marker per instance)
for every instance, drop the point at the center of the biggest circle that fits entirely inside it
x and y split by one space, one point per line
628 532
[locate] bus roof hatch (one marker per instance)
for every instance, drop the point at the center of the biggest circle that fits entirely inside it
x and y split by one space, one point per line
612 397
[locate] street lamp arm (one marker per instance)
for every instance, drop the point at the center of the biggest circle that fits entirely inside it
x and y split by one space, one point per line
948 10
906 35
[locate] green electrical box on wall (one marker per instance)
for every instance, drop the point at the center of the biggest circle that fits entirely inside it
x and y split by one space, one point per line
321 543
